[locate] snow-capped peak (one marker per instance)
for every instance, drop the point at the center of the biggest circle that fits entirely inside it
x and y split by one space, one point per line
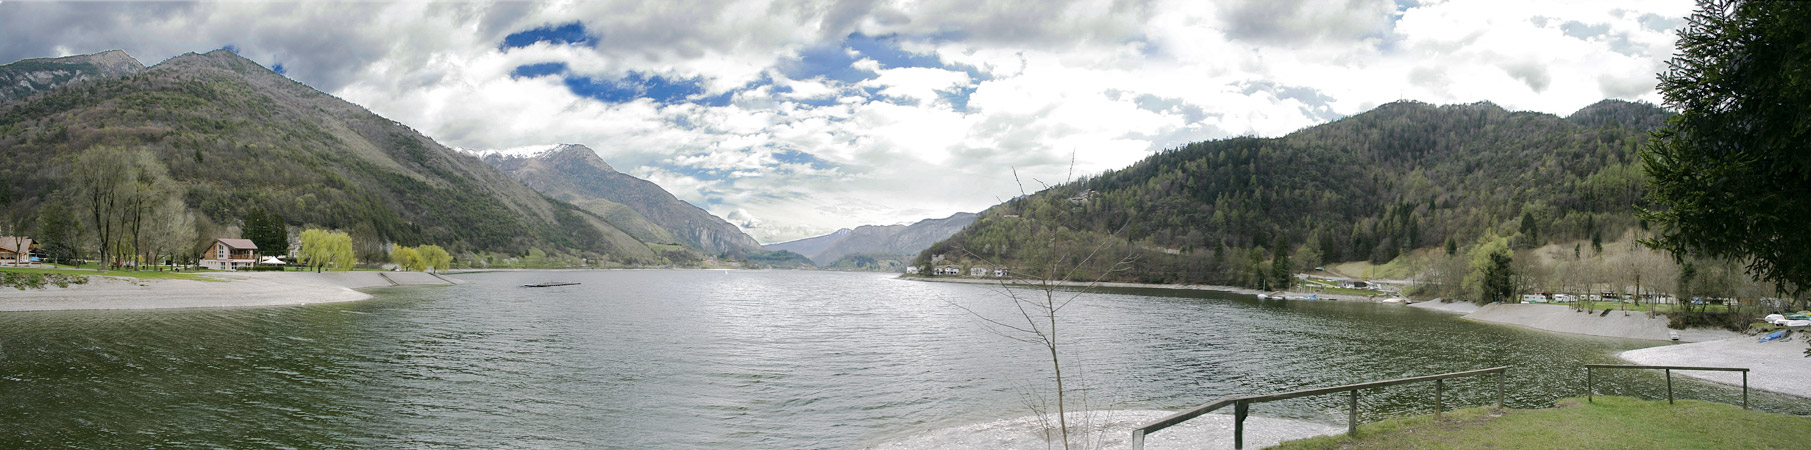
530 151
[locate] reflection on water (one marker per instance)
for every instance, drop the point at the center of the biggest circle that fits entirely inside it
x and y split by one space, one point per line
715 359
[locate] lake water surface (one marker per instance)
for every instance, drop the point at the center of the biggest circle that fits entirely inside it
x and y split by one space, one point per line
726 359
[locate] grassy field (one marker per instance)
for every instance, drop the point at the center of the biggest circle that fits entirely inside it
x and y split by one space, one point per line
1313 285
153 275
1609 423
1661 308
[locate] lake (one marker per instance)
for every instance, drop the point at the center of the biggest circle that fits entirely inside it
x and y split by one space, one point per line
728 359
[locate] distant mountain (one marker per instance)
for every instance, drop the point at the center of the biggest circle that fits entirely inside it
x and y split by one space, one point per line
26 77
811 245
575 174
1372 186
870 241
1637 115
223 136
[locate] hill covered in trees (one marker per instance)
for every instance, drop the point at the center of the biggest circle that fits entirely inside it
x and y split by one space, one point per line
207 139
1372 186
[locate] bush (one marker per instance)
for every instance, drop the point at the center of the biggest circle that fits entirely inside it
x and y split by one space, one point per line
1732 320
24 280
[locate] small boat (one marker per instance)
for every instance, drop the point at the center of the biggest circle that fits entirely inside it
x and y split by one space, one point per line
551 284
1781 334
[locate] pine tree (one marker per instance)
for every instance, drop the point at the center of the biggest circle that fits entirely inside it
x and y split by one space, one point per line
1729 171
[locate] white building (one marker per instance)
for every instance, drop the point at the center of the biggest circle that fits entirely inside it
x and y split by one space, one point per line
229 254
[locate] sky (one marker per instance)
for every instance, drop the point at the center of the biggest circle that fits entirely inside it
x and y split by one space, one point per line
793 118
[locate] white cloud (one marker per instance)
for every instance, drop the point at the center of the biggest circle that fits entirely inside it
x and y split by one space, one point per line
1102 83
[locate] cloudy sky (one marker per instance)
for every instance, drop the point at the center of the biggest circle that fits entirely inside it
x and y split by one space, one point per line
793 118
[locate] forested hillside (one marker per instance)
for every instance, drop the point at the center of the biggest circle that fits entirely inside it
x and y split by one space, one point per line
1368 187
219 136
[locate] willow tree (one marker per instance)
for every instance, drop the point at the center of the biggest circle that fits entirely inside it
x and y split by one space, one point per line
407 258
435 258
1732 170
324 249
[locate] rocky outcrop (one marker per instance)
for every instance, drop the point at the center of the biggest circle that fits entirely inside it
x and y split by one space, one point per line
26 77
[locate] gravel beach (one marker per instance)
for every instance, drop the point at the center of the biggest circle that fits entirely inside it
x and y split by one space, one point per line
1778 366
1562 319
234 289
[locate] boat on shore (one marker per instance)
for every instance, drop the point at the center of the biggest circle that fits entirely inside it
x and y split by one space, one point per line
551 284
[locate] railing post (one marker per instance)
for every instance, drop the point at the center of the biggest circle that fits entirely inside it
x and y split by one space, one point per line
1669 386
1439 388
1590 392
1744 389
1138 439
1239 410
1352 416
1500 375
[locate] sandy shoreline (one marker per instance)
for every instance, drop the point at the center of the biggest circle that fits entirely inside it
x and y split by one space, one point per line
1618 324
1774 366
237 289
1779 366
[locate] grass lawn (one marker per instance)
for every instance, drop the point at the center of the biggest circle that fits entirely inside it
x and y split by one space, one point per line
1609 423
1662 307
1313 285
154 275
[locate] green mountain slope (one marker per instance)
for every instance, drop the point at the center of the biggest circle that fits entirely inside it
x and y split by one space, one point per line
576 174
1367 187
231 136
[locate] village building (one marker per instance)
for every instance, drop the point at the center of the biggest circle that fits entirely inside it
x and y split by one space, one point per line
229 254
999 273
912 270
16 250
977 272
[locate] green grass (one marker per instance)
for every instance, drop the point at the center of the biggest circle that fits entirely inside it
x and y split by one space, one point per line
150 275
1608 423
1662 308
1313 285
1402 268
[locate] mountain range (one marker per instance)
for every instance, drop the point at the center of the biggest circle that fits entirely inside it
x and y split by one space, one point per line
224 136
575 174
876 240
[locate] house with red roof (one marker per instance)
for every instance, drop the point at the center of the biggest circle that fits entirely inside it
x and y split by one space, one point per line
229 254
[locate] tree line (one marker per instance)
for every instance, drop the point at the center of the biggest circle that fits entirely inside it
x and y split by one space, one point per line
1250 211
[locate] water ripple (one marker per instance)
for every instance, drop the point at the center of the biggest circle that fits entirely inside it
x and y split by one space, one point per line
662 359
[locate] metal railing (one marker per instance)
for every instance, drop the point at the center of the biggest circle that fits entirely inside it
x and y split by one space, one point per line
1242 405
1591 379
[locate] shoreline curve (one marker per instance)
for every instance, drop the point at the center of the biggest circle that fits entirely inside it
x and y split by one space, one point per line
233 289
